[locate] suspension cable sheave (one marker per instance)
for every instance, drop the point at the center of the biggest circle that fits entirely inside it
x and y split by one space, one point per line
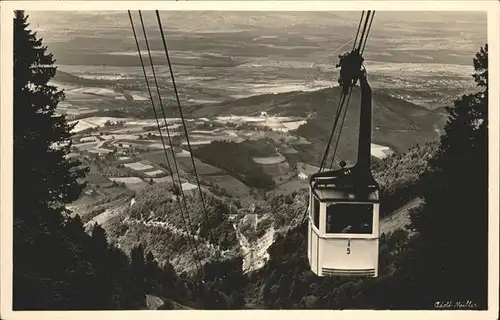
359 44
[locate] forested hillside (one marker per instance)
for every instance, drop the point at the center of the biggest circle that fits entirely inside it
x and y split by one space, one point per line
237 161
399 176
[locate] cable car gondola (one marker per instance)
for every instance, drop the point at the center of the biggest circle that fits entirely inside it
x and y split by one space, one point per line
343 231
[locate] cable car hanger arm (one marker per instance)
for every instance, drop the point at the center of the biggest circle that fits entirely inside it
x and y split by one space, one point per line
362 165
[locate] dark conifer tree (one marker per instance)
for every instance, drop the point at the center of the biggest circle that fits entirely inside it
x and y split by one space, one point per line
138 270
453 225
152 273
106 270
169 282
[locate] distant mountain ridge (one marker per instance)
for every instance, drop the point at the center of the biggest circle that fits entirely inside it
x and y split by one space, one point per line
397 123
224 20
66 77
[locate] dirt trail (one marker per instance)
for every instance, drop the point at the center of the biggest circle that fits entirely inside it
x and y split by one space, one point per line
153 302
399 218
106 215
177 231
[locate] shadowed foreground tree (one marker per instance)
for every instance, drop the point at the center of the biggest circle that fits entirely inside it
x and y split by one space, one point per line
56 265
45 264
452 226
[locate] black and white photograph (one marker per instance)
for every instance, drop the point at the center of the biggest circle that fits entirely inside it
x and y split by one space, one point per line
193 156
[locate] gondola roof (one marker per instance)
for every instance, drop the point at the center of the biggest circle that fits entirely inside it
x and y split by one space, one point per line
349 184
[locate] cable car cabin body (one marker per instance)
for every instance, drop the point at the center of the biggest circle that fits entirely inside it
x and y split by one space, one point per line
343 237
343 234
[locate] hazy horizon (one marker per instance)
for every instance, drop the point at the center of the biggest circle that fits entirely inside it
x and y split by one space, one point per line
423 57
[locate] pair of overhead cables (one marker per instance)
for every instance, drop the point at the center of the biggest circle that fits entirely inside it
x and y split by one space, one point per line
183 206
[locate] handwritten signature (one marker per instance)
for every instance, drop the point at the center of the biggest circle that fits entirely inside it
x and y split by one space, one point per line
455 304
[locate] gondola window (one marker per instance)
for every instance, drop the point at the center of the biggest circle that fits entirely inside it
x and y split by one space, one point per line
315 210
349 218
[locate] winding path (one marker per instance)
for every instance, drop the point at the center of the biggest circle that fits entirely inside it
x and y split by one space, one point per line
175 230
